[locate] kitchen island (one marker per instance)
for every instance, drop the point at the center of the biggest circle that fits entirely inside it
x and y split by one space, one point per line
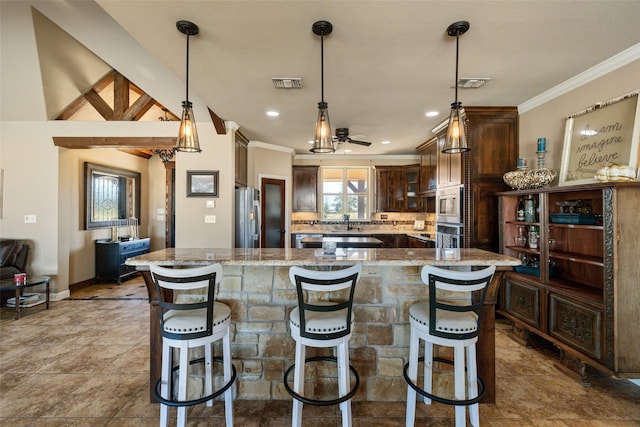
256 286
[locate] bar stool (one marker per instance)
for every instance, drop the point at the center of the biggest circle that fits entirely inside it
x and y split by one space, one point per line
451 318
191 318
320 322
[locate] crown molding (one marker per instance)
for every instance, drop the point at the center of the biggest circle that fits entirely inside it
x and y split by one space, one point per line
273 147
619 60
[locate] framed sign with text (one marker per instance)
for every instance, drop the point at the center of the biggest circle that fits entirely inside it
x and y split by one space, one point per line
607 133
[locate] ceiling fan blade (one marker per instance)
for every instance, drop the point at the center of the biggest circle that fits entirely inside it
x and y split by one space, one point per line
353 141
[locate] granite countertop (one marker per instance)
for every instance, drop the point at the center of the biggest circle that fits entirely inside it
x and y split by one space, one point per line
288 257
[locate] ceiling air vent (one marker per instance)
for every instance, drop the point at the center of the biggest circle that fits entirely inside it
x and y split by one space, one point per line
472 82
287 83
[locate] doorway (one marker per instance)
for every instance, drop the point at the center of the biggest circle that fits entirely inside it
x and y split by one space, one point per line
273 212
170 205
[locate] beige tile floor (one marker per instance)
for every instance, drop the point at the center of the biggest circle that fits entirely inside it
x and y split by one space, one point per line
84 362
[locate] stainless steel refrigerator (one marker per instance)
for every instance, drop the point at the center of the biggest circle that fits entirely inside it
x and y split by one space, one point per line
247 218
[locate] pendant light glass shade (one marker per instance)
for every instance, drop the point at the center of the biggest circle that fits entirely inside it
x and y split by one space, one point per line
456 141
187 135
323 141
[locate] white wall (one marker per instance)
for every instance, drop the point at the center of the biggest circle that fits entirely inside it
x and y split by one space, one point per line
549 119
34 182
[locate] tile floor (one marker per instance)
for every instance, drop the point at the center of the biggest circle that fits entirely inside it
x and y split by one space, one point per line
84 362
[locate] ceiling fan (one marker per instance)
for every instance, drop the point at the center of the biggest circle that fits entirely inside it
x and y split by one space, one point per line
342 135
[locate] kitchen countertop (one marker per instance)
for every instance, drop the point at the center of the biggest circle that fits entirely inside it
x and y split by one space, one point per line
288 257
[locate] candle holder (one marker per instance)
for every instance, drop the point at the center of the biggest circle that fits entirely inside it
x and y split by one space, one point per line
541 156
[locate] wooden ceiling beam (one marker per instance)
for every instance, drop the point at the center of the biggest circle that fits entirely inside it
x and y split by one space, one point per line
120 96
138 109
82 142
99 104
218 123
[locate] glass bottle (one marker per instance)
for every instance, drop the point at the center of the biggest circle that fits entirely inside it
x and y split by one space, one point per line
530 209
520 210
533 237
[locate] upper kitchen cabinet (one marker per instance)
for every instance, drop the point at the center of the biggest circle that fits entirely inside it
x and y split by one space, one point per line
305 188
397 188
450 171
428 165
241 161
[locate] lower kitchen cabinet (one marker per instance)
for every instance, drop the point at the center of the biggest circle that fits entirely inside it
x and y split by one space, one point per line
111 256
578 285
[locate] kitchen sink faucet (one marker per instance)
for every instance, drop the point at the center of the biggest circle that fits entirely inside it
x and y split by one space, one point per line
346 219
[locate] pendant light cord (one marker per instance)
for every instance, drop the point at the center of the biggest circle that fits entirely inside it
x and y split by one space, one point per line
187 79
322 66
456 82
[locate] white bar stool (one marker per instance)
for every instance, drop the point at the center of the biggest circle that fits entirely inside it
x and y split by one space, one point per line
451 318
319 321
191 318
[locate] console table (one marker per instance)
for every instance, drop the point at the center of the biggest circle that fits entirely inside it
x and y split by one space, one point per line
111 256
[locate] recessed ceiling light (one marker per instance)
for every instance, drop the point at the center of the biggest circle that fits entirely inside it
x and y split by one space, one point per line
347 150
310 141
431 113
385 142
272 113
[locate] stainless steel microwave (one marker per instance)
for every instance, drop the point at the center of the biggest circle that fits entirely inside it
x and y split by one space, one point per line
449 205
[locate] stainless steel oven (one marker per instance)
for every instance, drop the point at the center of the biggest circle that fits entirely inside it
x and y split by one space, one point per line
449 236
449 205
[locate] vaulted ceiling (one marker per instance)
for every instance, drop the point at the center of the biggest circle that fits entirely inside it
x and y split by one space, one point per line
387 63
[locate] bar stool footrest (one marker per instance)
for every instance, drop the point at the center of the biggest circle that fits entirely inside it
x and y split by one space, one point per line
455 402
317 402
180 403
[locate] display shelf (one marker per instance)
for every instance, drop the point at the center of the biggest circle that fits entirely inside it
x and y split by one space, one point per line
585 297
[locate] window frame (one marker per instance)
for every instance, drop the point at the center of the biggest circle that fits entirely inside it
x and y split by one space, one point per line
345 193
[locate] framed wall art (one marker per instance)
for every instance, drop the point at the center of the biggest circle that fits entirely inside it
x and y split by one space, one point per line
605 134
202 183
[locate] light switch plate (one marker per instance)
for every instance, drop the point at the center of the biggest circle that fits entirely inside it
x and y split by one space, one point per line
210 219
29 219
211 203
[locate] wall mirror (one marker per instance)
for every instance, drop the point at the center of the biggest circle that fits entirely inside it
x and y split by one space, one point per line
111 196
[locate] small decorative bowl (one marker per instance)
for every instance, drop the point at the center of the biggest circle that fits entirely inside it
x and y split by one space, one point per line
529 179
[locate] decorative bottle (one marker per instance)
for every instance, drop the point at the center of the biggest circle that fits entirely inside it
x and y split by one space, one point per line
530 209
520 210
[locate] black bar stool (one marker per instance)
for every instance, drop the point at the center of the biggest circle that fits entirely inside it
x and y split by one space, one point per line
191 318
319 321
451 318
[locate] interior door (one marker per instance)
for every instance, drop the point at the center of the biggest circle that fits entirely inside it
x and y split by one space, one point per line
273 213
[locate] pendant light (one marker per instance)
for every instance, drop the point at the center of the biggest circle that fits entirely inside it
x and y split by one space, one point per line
187 135
456 141
323 140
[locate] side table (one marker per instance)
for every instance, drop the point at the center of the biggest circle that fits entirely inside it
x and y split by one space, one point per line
8 285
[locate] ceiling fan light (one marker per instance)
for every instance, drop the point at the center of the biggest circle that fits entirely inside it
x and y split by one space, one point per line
456 141
323 140
188 134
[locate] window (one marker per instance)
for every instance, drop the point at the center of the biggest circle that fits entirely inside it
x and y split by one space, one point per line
345 192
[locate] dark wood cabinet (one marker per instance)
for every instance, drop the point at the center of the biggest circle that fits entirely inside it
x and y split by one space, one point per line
241 177
397 188
428 166
492 136
305 188
578 287
111 256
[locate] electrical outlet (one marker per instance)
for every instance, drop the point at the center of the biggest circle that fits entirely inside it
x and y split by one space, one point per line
211 203
210 219
29 219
